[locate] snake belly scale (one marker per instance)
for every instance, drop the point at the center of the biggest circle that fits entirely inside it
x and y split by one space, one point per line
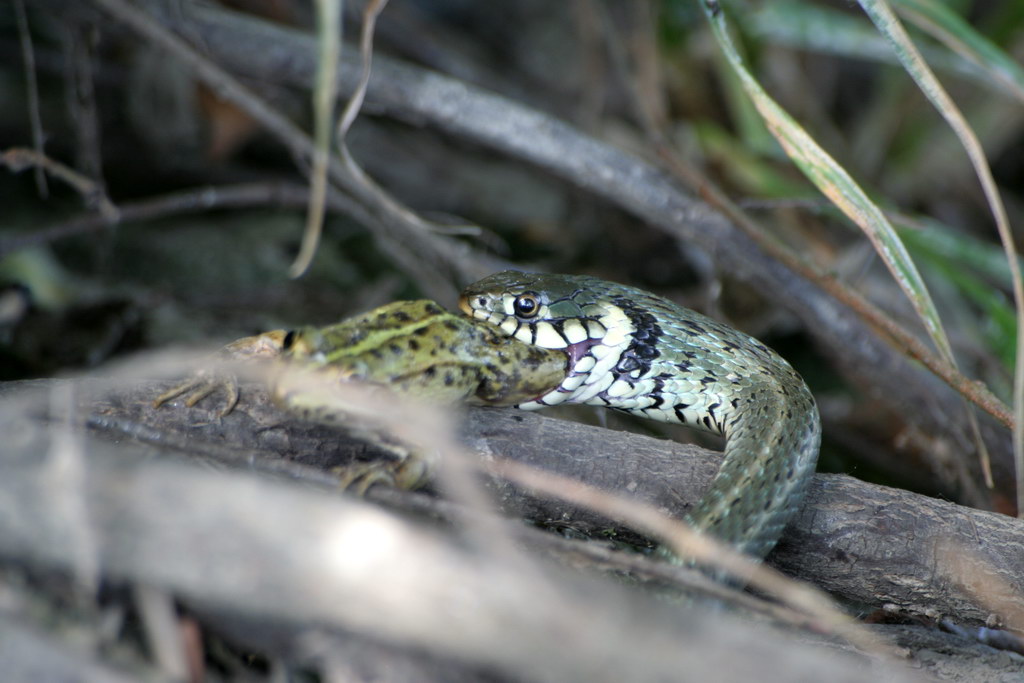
632 351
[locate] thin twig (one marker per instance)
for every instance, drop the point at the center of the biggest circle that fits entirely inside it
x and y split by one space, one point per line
685 542
80 91
328 19
355 102
28 56
348 116
274 194
435 250
17 159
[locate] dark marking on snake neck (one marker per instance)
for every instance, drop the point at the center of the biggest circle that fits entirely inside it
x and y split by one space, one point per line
643 344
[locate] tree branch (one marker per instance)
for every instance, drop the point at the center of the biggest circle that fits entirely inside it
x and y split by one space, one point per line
866 544
292 557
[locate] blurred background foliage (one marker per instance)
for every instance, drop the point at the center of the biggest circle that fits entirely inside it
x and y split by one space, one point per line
142 128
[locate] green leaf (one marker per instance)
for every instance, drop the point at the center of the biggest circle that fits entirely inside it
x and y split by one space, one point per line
948 27
836 184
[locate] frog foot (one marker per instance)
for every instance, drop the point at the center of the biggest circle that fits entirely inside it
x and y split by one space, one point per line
407 473
266 346
201 385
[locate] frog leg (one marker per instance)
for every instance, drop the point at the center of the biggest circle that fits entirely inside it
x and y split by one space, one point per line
201 385
406 469
264 346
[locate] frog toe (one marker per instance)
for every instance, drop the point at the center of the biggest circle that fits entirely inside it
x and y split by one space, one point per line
198 387
407 474
359 477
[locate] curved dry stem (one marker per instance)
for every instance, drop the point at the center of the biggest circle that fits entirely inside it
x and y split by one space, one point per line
329 30
685 542
439 255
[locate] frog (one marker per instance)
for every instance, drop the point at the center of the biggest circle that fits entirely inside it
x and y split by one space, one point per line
416 350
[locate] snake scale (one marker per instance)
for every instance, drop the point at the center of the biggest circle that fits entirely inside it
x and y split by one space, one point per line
632 351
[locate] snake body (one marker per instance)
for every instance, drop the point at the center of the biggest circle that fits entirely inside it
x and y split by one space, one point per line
632 351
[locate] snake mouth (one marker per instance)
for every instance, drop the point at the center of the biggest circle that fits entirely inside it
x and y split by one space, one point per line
464 305
574 352
578 351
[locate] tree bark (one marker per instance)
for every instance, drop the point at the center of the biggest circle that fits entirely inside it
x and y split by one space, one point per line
869 545
255 548
276 557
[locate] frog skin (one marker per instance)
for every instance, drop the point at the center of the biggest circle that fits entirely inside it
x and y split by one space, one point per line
415 349
420 350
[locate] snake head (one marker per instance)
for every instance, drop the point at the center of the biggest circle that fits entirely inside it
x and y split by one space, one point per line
539 309
509 293
528 298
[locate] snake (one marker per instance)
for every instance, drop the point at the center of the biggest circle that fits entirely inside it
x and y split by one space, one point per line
635 352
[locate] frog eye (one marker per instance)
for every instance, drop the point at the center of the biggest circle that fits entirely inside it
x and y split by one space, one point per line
289 340
526 305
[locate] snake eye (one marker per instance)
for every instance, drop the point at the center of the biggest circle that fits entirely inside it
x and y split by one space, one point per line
526 305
